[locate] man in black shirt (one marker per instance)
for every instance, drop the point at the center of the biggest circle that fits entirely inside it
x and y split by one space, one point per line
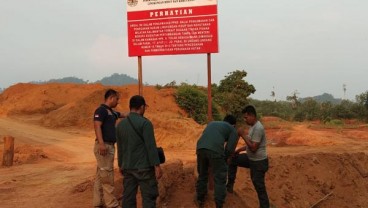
104 124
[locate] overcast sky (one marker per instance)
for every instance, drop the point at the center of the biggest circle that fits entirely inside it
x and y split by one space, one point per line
312 46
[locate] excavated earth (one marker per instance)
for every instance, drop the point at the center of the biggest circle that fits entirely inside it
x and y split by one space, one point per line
311 165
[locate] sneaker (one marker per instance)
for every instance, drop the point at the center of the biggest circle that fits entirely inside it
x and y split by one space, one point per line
230 188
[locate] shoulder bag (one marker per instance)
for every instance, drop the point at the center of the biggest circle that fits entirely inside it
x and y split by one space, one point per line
160 150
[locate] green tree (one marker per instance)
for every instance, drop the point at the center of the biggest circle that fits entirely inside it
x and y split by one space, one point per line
194 101
273 95
170 84
279 109
362 99
343 110
326 111
311 109
233 92
294 99
362 102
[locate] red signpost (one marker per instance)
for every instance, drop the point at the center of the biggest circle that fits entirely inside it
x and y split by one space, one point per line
170 27
167 27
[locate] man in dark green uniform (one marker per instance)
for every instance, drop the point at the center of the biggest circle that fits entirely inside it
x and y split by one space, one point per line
212 152
137 156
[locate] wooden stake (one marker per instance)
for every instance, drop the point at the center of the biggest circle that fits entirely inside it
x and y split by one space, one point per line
8 155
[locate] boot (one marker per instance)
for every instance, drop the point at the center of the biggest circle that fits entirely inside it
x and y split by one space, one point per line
230 187
218 205
198 203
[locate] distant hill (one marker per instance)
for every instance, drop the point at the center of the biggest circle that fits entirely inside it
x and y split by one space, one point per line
115 79
68 80
325 97
74 80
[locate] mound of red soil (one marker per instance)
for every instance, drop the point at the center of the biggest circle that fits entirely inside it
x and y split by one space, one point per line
302 180
35 98
72 105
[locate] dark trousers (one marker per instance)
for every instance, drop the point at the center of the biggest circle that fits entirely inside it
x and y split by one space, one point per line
258 170
209 159
147 182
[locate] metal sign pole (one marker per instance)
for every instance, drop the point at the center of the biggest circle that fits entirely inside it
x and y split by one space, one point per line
209 96
209 113
140 85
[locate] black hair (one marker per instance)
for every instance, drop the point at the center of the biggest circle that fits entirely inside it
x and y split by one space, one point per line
250 109
230 119
136 102
110 92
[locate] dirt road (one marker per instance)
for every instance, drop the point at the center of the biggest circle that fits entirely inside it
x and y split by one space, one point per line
59 161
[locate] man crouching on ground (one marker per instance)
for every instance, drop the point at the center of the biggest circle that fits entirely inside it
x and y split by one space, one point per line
212 152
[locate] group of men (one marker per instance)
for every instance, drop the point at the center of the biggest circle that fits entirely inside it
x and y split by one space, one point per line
216 152
140 166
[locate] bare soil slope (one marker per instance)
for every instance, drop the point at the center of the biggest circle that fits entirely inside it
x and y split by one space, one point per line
54 164
72 105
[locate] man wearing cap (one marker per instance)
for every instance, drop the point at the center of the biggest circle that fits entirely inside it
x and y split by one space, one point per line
214 147
137 156
104 150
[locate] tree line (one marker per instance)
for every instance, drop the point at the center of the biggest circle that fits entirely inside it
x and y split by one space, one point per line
232 94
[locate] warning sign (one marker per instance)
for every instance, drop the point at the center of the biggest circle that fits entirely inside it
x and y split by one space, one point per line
166 27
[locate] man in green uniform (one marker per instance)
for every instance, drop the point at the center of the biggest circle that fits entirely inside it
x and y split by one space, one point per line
213 153
137 156
255 159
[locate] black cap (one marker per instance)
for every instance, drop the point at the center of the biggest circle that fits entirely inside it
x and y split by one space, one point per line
136 101
230 119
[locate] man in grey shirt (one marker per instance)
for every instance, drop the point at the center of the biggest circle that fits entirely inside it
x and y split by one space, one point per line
255 157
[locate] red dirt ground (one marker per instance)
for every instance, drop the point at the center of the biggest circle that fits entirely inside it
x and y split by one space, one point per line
54 165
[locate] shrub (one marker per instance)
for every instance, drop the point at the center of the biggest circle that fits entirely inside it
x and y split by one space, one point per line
336 122
194 101
299 116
